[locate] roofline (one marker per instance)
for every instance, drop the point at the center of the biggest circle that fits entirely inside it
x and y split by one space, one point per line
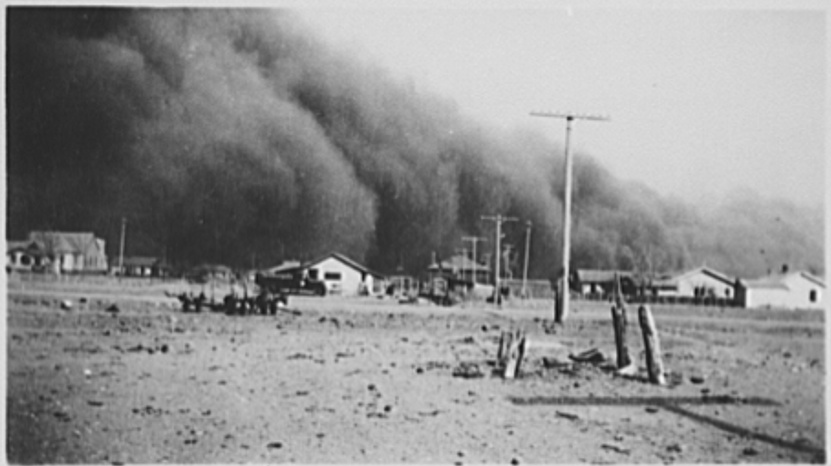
709 271
813 278
345 259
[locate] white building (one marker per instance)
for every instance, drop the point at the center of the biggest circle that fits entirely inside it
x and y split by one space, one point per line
343 276
795 290
702 282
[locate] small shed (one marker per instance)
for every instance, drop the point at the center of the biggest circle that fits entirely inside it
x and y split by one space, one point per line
142 266
599 284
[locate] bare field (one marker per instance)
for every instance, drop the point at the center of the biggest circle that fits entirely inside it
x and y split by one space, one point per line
372 381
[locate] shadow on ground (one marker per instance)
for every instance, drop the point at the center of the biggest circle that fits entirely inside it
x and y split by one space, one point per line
673 404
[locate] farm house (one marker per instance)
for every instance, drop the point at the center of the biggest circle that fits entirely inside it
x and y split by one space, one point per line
66 252
340 274
795 290
702 282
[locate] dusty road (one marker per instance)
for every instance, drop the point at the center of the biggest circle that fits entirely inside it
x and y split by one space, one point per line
369 381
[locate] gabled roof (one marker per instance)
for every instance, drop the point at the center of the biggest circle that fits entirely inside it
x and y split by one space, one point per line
284 267
58 242
458 262
25 245
705 271
780 281
346 260
811 278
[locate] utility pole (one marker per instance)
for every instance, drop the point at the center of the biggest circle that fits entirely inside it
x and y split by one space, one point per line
463 252
508 272
474 240
498 219
121 247
525 265
569 117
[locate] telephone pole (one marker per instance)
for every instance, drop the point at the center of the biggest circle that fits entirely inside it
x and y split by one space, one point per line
121 247
525 266
569 117
508 273
474 240
498 219
463 252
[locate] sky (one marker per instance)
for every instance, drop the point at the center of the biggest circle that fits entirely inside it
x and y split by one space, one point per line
703 102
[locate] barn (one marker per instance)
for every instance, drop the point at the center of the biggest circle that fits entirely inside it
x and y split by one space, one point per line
795 290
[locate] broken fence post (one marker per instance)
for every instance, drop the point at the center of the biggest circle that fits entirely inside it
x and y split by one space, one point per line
500 353
652 345
619 324
514 354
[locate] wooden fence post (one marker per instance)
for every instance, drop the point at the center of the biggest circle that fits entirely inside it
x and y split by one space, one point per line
619 323
652 345
504 340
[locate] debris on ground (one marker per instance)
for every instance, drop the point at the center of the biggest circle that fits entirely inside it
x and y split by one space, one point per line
468 370
113 308
615 448
750 451
66 305
554 363
592 356
569 416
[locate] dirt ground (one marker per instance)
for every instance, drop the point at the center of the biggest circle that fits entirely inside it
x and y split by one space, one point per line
366 380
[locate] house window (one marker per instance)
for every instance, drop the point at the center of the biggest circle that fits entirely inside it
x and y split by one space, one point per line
812 296
312 274
331 276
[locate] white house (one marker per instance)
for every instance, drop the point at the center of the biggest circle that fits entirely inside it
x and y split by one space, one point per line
697 283
343 276
795 290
